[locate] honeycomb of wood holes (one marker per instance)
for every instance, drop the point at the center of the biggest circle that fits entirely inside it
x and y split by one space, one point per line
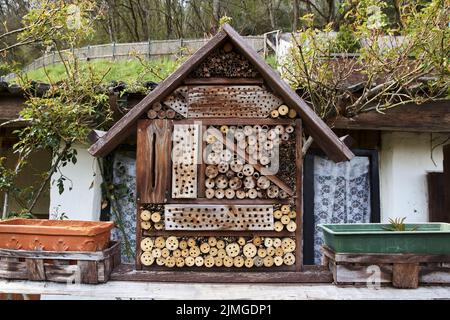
178 101
230 101
185 160
208 252
218 217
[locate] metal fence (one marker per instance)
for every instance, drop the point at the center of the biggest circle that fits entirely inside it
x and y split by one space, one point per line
112 51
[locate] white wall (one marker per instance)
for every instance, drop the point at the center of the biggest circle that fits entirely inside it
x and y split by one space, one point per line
405 158
83 201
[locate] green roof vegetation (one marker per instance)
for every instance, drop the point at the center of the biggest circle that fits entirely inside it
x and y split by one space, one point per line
129 70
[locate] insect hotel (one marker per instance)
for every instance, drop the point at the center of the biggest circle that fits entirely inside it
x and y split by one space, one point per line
219 169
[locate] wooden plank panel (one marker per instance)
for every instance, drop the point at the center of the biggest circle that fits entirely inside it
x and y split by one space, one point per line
299 194
185 157
446 151
88 271
427 117
230 101
153 160
348 273
436 197
35 269
218 217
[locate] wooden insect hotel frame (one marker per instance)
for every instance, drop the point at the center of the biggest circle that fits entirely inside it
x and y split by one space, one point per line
219 168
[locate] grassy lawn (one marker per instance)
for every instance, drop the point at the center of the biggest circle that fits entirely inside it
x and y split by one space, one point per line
121 70
129 71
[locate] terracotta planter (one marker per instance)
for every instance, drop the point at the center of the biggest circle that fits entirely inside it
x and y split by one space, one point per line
54 235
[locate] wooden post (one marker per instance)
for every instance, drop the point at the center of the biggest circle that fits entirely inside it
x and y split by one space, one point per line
446 151
405 275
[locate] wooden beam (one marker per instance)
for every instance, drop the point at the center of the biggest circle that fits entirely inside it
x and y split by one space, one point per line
309 274
322 134
446 150
10 106
427 117
117 133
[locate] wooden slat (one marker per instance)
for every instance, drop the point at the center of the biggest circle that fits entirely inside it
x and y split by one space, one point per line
62 255
309 275
88 271
446 151
35 269
349 273
118 132
185 158
427 117
153 160
299 194
218 217
10 106
436 198
238 121
405 275
321 133
384 258
230 101
218 233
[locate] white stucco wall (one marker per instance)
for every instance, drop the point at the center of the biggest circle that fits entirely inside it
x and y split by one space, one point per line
405 159
83 201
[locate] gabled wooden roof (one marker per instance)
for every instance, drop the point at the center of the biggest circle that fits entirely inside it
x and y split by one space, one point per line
322 134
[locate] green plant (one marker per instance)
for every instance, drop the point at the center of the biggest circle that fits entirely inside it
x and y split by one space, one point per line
398 224
346 41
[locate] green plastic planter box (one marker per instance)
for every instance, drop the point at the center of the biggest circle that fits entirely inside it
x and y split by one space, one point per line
429 238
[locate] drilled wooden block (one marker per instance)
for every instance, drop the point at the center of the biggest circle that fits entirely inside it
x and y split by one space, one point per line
185 160
178 101
218 217
230 101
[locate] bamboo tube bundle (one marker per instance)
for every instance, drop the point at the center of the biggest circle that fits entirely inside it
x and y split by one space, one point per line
221 181
211 171
223 167
145 215
209 193
249 182
217 147
229 193
229 174
209 183
210 139
292 114
272 192
226 155
213 158
237 165
248 170
152 114
224 129
161 114
219 193
289 129
283 110
263 182
279 129
235 183
239 135
252 193
240 194
272 134
170 114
